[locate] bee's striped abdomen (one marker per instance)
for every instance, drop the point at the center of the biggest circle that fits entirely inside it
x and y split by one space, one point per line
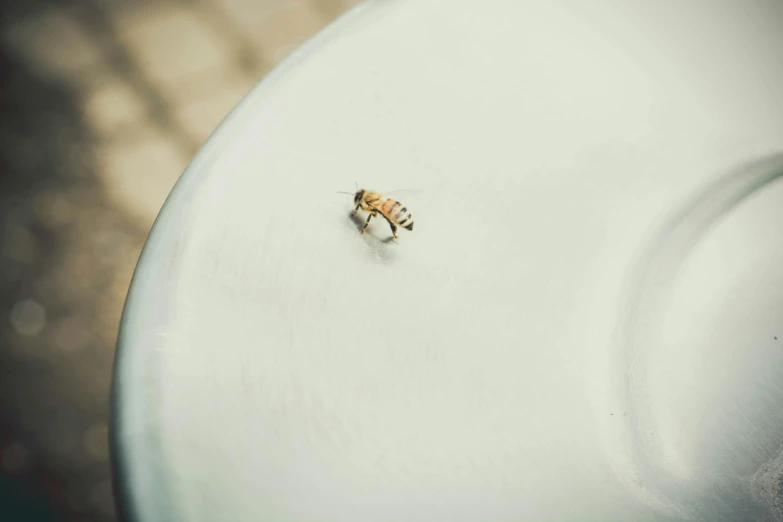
405 219
397 213
392 210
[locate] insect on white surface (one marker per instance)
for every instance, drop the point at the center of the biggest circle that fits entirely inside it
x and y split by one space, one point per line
374 203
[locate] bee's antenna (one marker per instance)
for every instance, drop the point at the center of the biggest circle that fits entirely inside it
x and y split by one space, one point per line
357 186
341 192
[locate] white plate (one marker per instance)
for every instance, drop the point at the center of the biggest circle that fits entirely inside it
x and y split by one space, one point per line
585 324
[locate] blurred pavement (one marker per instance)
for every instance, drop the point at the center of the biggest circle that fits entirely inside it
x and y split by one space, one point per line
102 105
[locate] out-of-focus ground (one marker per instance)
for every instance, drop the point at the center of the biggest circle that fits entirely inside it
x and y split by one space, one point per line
102 105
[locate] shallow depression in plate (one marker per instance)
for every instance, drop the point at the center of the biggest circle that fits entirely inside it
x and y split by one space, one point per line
699 351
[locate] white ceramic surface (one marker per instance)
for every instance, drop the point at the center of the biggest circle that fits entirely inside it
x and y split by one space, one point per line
585 324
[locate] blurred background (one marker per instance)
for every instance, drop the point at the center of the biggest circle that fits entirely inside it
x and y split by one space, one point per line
102 105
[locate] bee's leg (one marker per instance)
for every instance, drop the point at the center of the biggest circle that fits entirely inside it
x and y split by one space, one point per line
356 209
394 229
366 223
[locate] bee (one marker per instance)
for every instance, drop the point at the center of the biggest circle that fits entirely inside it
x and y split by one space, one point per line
374 203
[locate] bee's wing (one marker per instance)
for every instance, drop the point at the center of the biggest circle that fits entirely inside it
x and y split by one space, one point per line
403 192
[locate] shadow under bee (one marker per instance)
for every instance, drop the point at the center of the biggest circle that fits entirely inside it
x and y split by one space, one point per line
382 248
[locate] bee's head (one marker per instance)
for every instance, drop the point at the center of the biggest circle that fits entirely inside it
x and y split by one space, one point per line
358 196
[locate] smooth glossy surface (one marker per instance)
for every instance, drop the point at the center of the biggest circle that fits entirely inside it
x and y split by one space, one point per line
585 324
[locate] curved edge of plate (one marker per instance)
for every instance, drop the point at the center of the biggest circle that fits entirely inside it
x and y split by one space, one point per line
138 495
